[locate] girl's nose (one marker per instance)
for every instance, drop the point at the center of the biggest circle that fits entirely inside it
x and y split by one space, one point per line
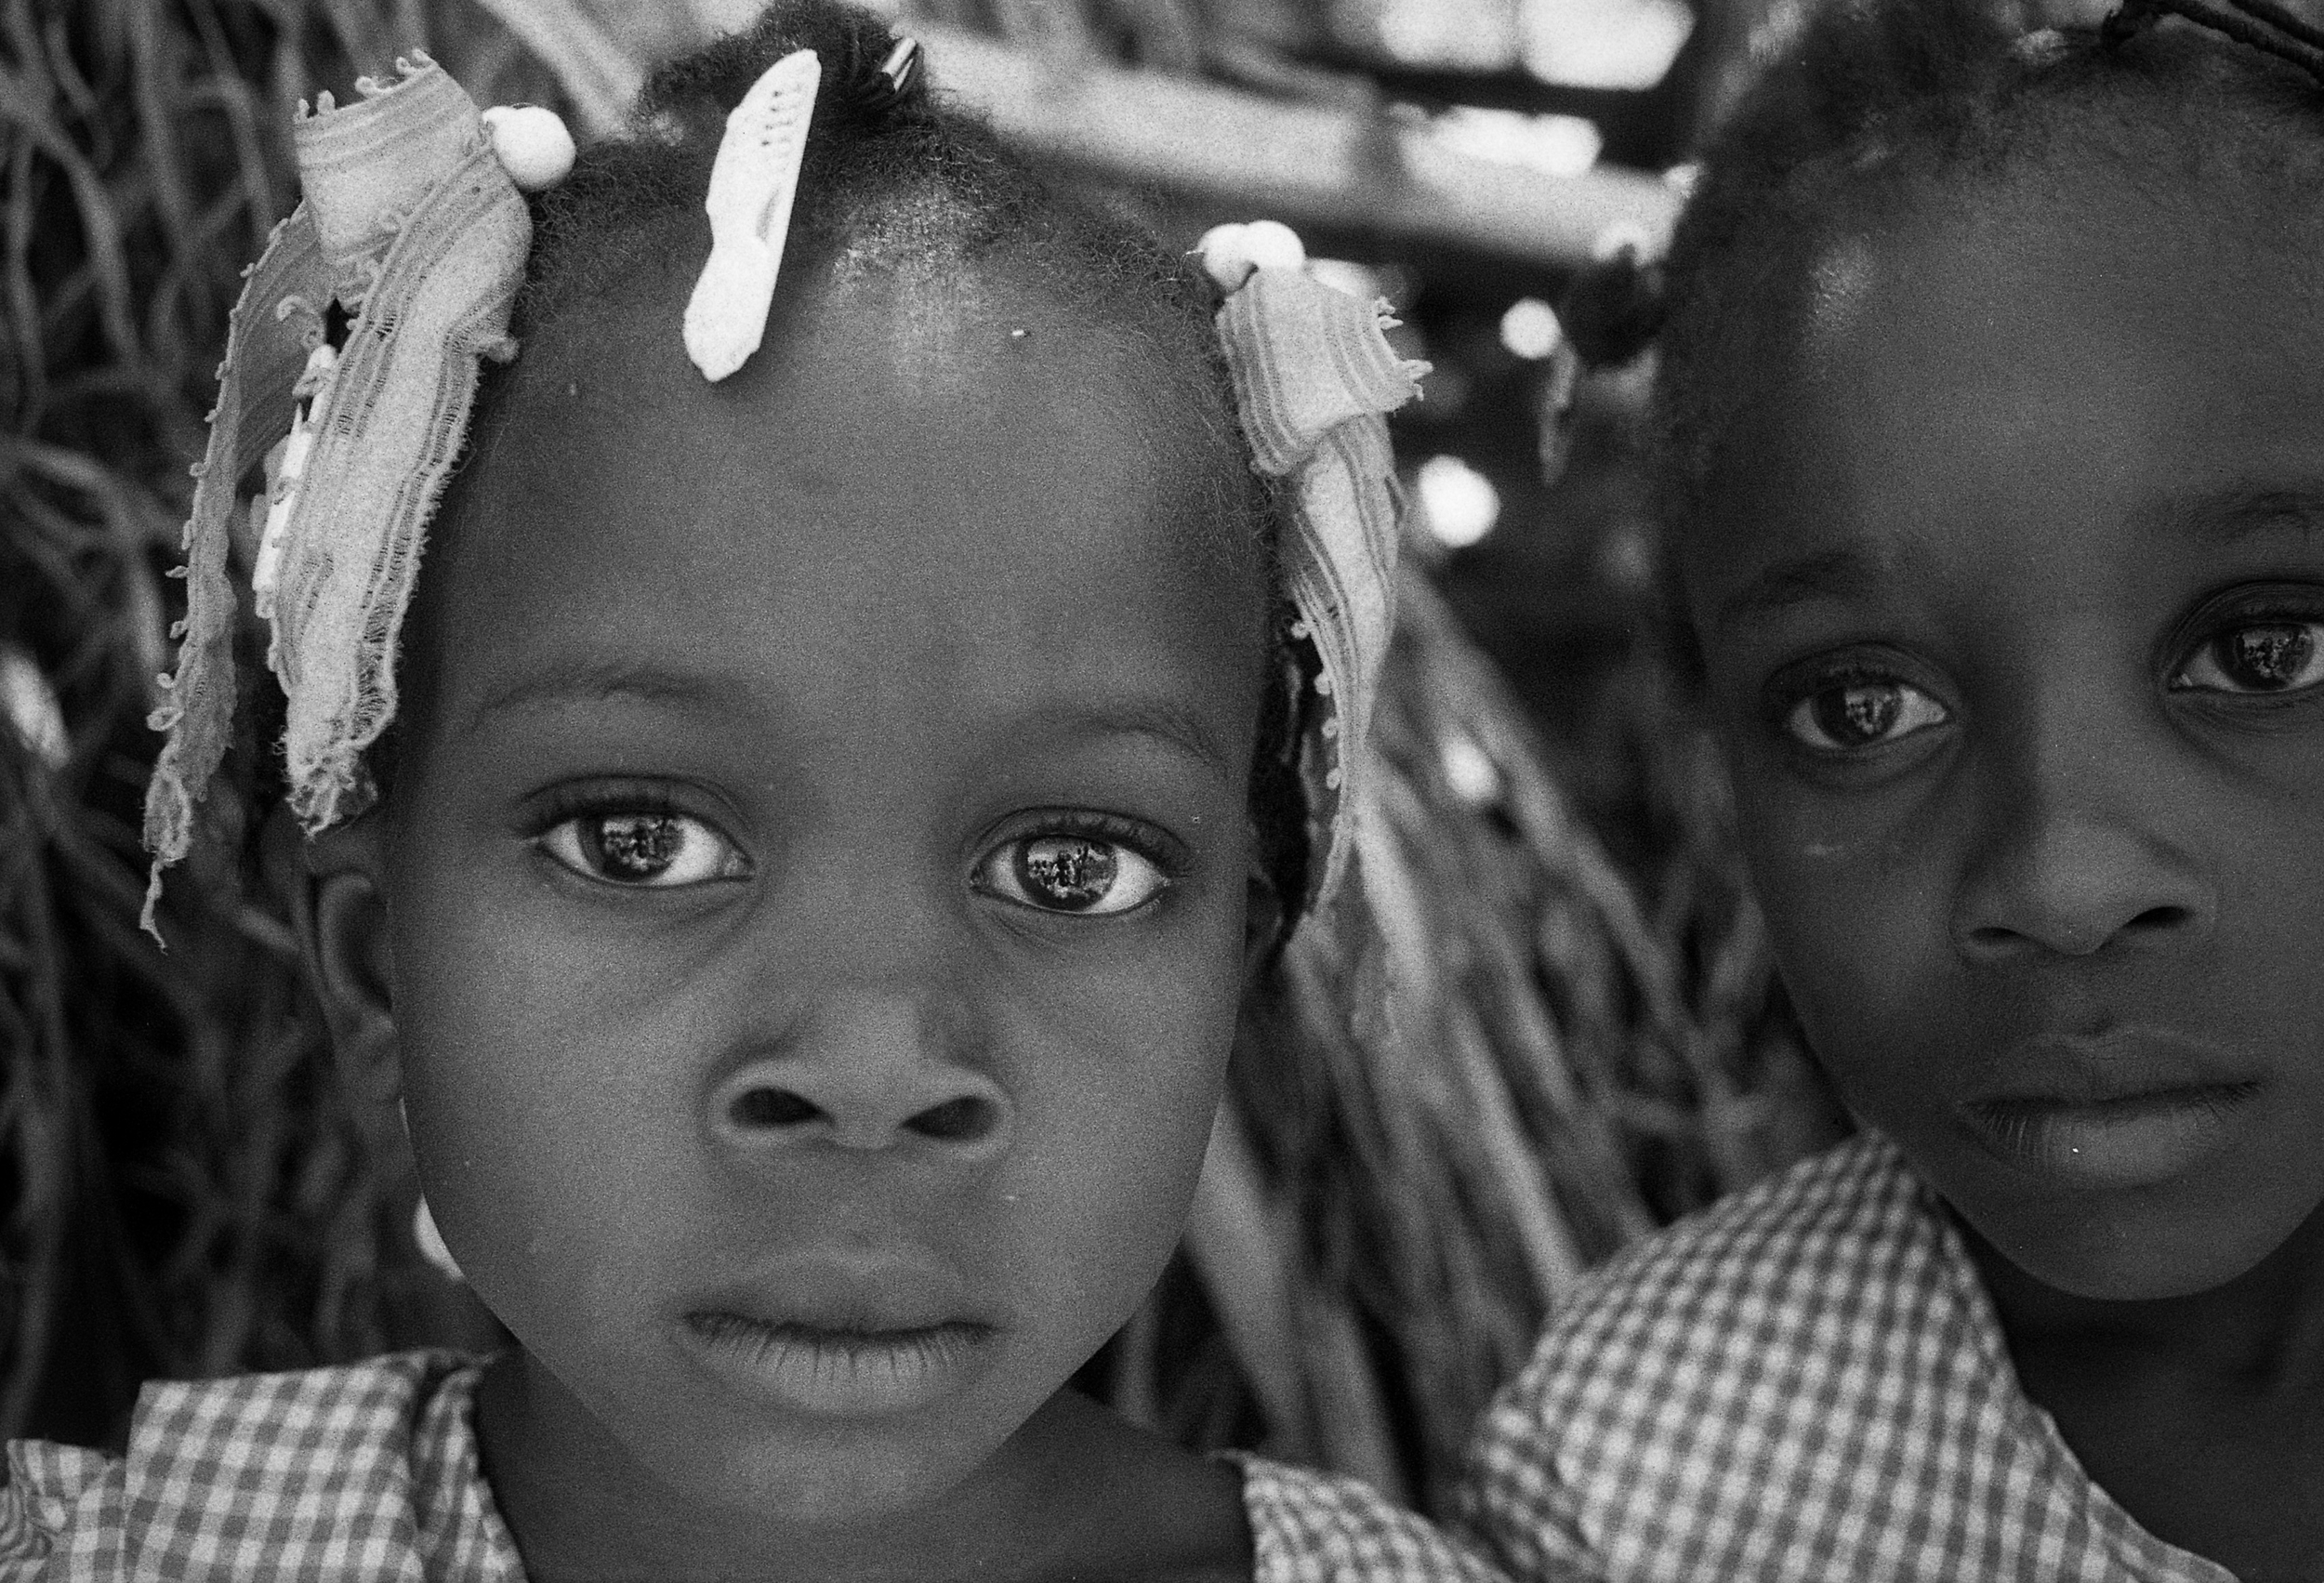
2074 882
871 1076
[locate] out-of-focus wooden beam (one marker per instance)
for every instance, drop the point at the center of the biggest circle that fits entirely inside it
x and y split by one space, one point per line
1226 148
1292 162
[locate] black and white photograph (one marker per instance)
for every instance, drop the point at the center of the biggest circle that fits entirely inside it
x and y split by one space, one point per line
1162 791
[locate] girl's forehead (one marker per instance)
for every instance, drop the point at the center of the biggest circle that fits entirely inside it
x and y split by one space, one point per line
2049 315
860 363
2075 235
2010 363
890 472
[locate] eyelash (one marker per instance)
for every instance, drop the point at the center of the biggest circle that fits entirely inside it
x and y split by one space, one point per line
1164 853
1789 695
564 803
1156 847
568 805
2286 608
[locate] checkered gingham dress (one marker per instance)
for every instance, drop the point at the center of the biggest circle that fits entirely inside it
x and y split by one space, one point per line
370 1473
1804 1384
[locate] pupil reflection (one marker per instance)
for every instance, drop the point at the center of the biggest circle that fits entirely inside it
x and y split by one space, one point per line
1858 714
2269 656
1067 871
636 846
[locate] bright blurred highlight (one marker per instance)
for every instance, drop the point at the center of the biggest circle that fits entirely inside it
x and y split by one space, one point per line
1470 773
1623 44
1444 35
1459 504
1621 237
1553 145
1530 329
29 704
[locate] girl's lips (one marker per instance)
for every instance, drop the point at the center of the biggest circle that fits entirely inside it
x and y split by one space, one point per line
2136 1140
838 1372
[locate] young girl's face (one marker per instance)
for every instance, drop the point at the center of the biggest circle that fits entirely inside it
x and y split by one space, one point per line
815 880
2014 609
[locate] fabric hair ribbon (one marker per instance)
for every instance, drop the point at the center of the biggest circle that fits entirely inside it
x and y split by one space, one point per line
1314 378
412 227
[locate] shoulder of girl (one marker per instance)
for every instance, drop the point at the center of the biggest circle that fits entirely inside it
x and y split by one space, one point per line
1665 1332
1315 1527
230 1466
62 1504
1808 1225
1843 1217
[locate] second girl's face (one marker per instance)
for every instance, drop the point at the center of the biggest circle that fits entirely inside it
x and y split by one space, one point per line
816 879
2014 611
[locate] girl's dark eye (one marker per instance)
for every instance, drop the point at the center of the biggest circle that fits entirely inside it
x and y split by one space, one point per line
643 849
2272 656
1082 875
1856 713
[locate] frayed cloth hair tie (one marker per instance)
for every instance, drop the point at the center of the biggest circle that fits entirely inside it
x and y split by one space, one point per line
413 235
413 226
1314 378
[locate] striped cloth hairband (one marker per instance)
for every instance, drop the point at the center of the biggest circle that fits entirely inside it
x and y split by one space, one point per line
413 226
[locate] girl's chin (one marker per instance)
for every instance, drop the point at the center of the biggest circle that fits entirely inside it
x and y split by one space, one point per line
711 1449
833 1478
2146 1247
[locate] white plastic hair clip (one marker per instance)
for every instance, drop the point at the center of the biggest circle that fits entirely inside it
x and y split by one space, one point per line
752 184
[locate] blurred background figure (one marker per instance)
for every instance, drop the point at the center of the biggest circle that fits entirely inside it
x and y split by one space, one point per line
1567 1032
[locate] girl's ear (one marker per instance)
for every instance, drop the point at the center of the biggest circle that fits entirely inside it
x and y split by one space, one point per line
338 910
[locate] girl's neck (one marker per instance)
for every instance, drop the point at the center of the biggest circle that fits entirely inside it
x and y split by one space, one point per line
1075 1492
2261 1334
2201 1415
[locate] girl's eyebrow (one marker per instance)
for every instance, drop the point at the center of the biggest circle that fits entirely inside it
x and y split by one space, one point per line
2241 510
1155 719
1158 719
1852 572
595 684
1847 571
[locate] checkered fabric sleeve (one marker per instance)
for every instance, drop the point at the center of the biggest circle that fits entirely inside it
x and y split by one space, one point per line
1804 1383
363 1473
60 1513
1313 1527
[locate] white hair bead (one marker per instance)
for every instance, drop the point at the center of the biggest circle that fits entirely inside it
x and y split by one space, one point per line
532 143
1274 246
1230 253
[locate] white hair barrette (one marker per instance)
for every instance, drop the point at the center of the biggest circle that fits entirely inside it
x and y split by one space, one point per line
753 182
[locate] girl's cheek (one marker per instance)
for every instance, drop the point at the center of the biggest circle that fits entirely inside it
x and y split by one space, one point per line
532 1048
1856 911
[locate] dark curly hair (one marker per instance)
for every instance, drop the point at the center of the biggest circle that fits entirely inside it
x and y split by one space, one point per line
895 181
1872 104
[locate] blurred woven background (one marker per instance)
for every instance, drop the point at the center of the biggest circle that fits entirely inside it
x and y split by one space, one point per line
1542 1026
